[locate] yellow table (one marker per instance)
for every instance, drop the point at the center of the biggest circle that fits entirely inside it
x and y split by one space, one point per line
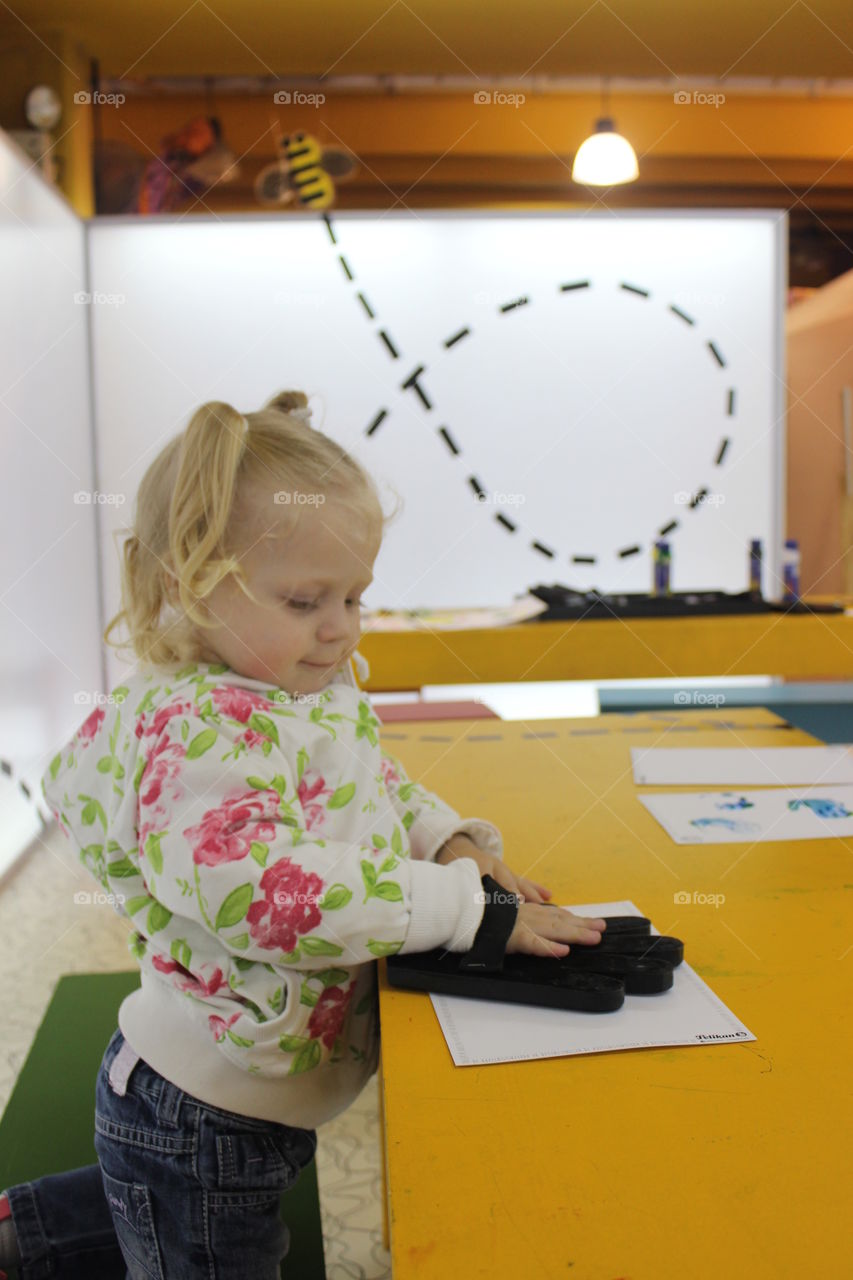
654 1164
791 645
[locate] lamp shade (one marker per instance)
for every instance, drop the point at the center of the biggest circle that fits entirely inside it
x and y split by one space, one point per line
605 158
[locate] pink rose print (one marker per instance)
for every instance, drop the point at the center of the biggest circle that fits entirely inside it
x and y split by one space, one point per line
288 908
328 1014
187 981
238 704
159 786
90 727
308 792
164 714
389 772
226 834
219 1026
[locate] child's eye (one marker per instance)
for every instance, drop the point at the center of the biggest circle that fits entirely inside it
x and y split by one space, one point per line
302 605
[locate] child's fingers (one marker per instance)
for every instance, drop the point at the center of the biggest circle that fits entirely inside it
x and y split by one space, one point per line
544 933
532 891
528 890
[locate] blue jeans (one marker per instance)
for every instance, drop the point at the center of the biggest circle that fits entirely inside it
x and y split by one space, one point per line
181 1191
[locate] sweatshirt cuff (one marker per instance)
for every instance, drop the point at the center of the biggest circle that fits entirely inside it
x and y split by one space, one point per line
447 905
485 835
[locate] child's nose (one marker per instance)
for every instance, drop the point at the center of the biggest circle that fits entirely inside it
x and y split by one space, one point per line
336 624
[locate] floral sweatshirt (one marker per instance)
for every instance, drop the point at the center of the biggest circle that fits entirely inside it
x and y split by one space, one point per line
266 851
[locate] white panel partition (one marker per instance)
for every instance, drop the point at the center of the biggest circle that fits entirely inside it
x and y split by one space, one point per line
548 393
50 646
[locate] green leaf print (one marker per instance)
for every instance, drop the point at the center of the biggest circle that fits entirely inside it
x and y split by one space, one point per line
136 904
389 891
258 783
181 951
137 945
307 996
289 957
306 1058
158 917
404 791
201 742
320 947
138 772
292 1044
335 897
363 1005
241 942
368 874
147 702
342 796
105 764
92 810
239 1040
408 819
388 865
242 963
330 977
383 948
302 759
397 842
260 852
276 1003
266 726
367 724
54 766
235 906
152 850
379 842
120 693
122 870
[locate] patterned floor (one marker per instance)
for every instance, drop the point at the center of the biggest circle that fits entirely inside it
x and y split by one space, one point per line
51 924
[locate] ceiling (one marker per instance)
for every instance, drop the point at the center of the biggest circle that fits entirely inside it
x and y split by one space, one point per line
450 37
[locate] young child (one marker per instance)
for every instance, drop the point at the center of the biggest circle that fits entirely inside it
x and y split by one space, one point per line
233 797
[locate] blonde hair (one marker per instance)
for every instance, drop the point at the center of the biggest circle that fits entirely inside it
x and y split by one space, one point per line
198 503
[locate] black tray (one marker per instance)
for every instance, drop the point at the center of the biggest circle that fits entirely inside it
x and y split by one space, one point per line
590 979
565 603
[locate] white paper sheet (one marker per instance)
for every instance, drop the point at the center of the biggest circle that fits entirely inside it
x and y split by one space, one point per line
479 1032
741 766
737 817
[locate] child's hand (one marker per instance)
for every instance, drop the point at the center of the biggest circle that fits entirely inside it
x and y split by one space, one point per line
461 846
541 931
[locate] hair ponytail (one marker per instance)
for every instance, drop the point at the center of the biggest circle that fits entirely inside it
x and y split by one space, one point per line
202 501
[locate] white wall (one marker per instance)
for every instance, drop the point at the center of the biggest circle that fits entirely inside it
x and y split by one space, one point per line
587 416
50 649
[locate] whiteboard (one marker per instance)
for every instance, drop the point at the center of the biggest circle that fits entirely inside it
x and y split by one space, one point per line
548 393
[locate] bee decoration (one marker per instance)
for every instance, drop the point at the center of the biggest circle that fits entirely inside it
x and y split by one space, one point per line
303 174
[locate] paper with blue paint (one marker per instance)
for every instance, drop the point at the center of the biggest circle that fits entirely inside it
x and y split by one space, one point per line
753 815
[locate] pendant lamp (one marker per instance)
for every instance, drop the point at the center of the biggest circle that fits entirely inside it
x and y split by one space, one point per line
605 158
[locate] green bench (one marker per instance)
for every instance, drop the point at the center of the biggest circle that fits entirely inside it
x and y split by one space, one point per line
48 1124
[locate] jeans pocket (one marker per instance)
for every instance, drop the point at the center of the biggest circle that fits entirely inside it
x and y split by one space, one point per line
130 1206
254 1164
